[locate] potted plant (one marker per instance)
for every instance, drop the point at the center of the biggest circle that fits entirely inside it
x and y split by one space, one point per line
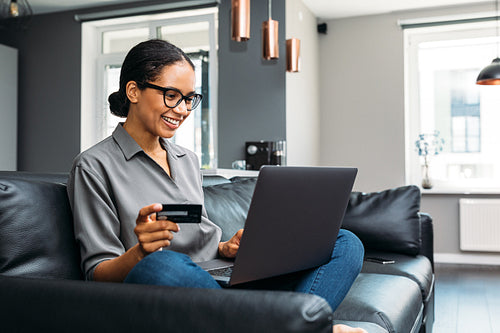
428 145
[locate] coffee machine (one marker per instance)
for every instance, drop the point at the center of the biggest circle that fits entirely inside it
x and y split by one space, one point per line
259 153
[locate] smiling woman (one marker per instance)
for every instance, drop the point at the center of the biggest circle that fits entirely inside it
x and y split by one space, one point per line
148 114
117 187
105 44
137 167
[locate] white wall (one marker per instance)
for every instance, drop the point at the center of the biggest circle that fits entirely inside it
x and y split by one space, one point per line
302 88
8 108
362 95
363 114
362 99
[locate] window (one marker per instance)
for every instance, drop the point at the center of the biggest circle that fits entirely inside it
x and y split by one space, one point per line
105 45
442 64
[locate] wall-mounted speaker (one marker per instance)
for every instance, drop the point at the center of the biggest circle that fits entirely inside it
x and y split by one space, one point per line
322 28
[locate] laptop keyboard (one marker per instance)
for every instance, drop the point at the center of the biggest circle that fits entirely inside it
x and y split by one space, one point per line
225 271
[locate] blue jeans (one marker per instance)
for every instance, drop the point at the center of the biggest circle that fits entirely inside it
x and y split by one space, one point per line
331 281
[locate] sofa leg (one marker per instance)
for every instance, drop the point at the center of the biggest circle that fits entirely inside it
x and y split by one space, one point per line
429 316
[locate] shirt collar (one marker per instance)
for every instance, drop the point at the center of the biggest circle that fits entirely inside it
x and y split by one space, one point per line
173 150
129 147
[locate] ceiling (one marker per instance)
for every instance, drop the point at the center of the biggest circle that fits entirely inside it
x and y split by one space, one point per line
323 9
330 9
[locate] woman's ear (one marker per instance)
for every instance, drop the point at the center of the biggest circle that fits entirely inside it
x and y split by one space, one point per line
132 91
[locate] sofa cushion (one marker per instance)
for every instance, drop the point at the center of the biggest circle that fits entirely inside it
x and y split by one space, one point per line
417 268
36 230
210 180
227 205
392 302
386 220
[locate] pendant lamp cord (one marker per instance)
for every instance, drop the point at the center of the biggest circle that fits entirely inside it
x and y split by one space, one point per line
270 6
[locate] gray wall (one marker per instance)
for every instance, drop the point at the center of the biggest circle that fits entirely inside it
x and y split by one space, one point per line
8 108
362 120
49 94
251 91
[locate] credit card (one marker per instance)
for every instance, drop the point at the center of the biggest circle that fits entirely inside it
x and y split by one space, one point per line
180 213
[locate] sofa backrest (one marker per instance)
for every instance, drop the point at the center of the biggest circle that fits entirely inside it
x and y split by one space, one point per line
36 225
36 229
388 220
227 204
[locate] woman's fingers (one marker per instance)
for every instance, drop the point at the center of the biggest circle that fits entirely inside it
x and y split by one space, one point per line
153 234
146 212
155 246
150 233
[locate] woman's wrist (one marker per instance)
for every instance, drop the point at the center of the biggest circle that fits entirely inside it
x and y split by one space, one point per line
117 269
138 252
221 249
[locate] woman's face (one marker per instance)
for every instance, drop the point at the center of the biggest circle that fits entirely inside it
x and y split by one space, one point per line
149 111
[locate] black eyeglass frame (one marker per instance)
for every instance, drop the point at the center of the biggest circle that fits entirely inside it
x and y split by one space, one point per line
190 97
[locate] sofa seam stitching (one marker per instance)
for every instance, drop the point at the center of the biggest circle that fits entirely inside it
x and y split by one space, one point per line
387 323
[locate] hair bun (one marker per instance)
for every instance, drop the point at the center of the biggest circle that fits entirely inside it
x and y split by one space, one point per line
118 104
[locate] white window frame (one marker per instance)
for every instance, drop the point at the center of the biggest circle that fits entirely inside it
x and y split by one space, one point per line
92 90
412 37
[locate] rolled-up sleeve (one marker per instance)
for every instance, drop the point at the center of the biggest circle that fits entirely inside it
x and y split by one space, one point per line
96 222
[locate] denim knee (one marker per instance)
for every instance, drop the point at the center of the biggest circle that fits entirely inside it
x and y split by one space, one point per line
169 268
354 250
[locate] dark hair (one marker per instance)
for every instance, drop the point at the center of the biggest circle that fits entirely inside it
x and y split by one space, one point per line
143 63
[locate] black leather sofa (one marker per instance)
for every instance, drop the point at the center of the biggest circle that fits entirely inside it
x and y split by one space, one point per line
41 286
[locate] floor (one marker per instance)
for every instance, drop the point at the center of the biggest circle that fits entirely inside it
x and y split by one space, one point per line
467 299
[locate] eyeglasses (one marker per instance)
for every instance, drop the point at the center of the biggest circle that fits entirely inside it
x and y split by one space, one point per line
173 97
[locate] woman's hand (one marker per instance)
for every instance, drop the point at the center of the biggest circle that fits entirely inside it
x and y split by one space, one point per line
230 248
153 234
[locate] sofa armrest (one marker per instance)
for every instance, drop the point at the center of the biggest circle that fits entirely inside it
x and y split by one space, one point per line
427 237
31 305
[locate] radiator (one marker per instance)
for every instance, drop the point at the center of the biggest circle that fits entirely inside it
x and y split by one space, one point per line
480 225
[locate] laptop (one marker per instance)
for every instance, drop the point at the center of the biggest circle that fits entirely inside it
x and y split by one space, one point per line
292 223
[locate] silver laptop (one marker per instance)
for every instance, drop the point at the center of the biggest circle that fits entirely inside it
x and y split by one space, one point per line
292 223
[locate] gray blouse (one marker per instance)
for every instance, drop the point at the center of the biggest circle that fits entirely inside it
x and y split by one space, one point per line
110 182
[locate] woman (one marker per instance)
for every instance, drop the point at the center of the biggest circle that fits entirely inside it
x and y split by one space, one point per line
116 187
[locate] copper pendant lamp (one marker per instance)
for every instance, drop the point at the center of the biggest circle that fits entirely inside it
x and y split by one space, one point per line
270 47
490 75
15 13
293 55
240 20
